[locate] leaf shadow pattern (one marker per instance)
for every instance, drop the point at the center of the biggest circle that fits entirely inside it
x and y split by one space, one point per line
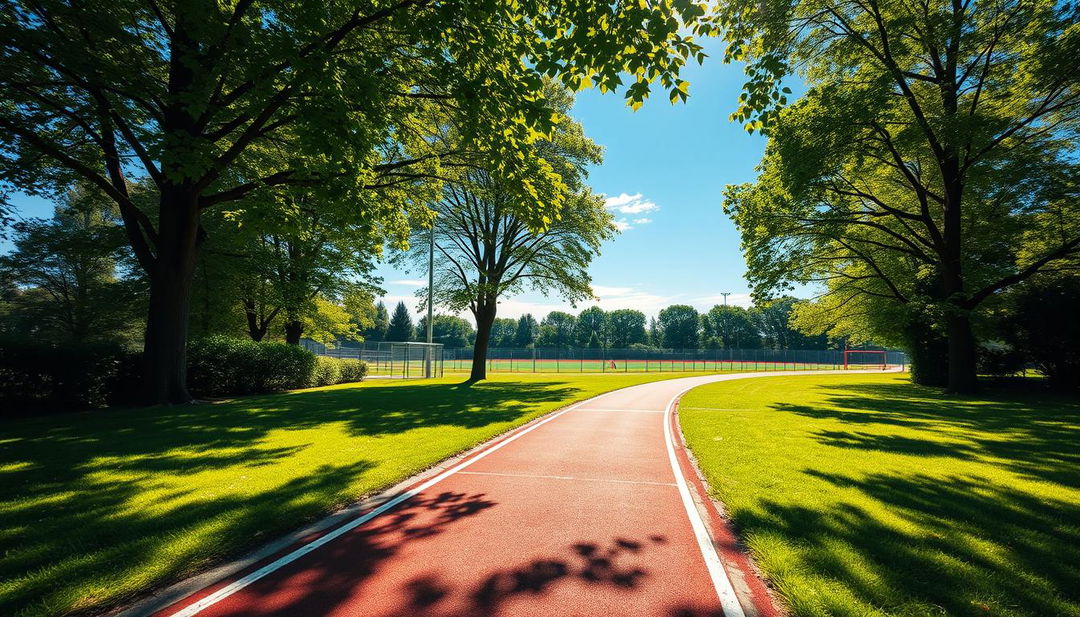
71 486
334 579
965 544
1039 441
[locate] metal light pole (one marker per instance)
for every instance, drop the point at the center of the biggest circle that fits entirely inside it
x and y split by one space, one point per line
725 294
430 294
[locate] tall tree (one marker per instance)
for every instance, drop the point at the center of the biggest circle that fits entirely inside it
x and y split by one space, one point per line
452 331
216 101
680 327
931 163
503 332
557 329
66 270
656 336
401 325
591 324
526 332
773 321
730 327
487 247
381 322
625 327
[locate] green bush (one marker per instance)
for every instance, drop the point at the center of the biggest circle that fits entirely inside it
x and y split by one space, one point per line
37 376
353 370
327 371
221 365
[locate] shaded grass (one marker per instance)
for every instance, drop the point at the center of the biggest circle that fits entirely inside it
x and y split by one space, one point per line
96 507
867 495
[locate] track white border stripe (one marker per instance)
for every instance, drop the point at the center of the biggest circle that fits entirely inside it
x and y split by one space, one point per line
237 585
729 602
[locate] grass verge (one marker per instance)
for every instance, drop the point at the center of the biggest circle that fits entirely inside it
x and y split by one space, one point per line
867 495
96 507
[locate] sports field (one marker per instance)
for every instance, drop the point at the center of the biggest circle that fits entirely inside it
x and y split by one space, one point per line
528 365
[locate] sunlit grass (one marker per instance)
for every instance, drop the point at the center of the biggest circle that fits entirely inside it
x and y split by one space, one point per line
99 506
866 495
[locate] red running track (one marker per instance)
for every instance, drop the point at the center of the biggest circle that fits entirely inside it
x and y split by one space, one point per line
584 512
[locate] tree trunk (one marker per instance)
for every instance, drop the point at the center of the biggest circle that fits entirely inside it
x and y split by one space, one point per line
293 329
165 344
485 318
957 320
962 370
256 327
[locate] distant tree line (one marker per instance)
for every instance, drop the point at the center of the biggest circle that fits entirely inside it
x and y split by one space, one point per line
675 327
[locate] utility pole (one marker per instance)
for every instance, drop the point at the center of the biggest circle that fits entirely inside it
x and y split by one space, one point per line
430 295
725 294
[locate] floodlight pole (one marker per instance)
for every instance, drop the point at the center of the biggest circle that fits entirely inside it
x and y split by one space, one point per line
430 295
725 294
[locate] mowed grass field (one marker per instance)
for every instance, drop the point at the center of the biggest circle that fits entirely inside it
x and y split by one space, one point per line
96 507
866 495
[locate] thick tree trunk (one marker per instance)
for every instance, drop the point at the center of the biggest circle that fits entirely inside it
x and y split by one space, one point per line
485 318
957 321
293 329
962 369
165 345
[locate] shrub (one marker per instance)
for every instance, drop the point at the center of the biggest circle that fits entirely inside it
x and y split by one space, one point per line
327 371
221 365
285 367
353 370
1043 325
999 360
36 376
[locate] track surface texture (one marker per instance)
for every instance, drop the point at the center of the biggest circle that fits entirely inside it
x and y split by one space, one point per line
591 511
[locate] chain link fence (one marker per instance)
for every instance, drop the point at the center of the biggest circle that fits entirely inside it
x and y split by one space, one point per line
654 360
390 360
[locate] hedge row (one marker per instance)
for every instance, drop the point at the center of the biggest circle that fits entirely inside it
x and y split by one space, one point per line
38 376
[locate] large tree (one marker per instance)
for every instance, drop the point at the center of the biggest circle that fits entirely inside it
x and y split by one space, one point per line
213 102
526 332
930 165
69 283
557 329
452 331
487 247
730 327
679 327
591 325
401 325
625 327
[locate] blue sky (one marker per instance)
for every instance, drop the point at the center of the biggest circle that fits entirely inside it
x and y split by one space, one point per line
665 167
669 163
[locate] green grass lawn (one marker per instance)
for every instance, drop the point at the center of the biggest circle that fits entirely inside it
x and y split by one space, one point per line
866 495
96 507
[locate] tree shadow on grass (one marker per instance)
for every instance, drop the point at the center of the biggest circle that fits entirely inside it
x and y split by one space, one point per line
969 548
70 485
1037 435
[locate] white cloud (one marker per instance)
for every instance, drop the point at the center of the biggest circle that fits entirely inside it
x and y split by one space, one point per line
623 225
642 221
409 282
630 204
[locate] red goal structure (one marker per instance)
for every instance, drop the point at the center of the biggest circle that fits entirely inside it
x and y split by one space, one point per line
878 352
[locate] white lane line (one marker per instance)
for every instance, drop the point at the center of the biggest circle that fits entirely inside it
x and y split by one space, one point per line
546 477
729 602
238 584
613 409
